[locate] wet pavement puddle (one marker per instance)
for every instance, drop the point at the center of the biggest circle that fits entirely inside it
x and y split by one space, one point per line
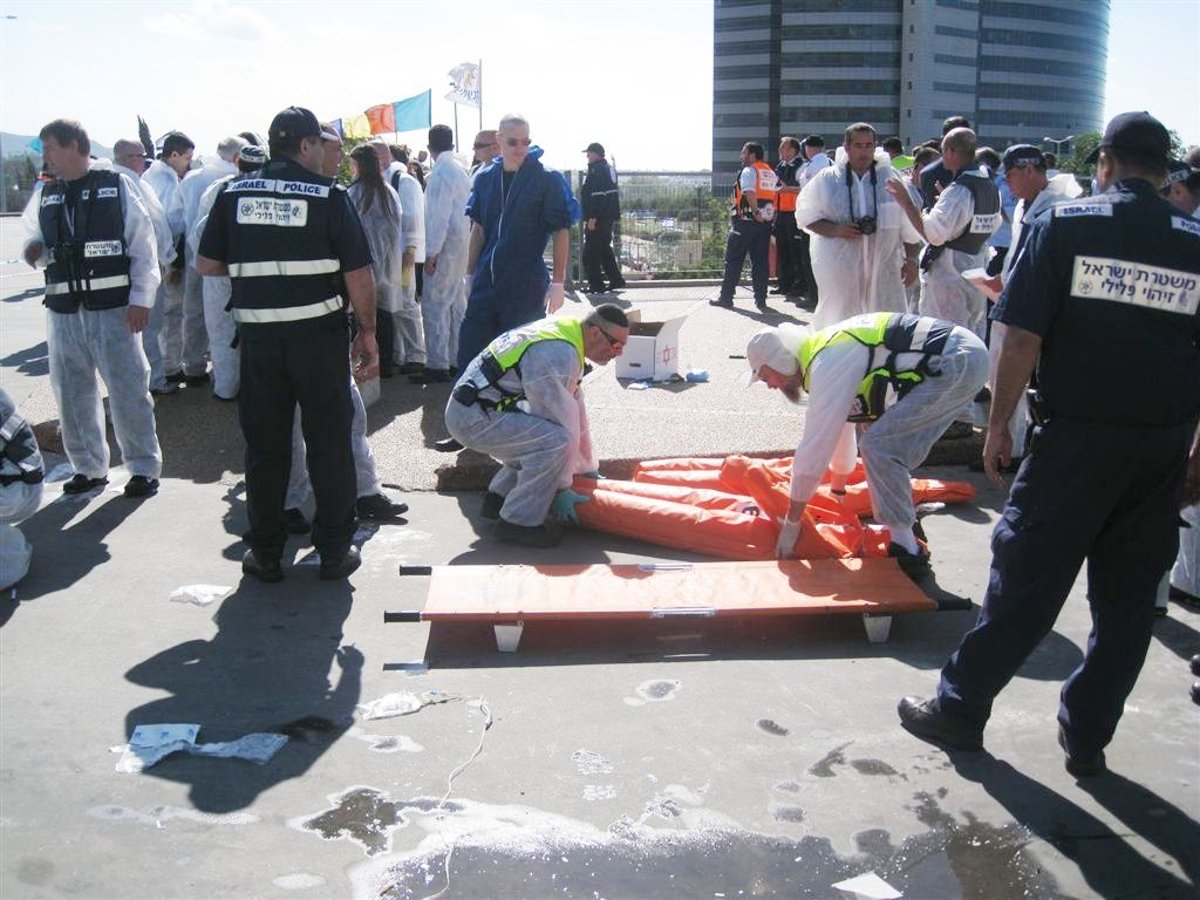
506 851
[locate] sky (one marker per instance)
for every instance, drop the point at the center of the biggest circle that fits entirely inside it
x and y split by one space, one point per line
636 76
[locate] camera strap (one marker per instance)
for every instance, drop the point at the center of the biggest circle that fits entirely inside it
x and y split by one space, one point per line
874 197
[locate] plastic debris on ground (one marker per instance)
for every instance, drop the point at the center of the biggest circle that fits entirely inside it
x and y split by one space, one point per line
403 704
149 744
868 887
200 594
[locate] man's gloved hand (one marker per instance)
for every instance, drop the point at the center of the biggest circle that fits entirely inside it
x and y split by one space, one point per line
789 533
555 295
563 506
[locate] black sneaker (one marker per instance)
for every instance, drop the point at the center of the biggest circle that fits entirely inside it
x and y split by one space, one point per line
780 290
912 564
140 486
264 568
81 484
721 302
618 285
530 535
411 368
447 445
957 431
761 306
431 376
379 507
166 390
492 502
197 380
175 377
341 566
925 719
295 523
1081 765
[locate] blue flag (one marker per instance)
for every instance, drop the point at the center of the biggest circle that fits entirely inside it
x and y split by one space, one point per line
414 113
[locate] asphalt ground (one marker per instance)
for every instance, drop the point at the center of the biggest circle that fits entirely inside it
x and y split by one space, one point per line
669 758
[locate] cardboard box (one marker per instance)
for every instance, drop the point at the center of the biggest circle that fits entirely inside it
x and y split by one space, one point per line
652 352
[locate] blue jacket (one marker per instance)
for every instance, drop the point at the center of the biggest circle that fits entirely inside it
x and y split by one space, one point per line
518 227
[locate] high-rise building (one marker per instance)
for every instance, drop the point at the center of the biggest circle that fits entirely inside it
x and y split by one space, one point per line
1020 71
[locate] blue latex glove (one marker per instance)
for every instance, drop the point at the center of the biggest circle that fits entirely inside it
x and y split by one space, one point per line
563 506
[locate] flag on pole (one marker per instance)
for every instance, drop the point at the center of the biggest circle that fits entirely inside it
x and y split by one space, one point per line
356 127
413 113
466 85
382 118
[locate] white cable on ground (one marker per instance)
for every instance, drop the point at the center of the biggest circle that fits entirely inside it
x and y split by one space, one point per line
487 723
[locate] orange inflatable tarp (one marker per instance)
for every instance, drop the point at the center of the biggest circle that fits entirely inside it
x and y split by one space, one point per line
729 508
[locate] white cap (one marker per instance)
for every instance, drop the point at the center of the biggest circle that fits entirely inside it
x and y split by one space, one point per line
777 348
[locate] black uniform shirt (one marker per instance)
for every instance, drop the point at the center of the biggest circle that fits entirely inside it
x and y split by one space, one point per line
1112 285
347 241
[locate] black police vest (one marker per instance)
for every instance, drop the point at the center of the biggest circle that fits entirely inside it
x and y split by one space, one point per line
281 258
86 259
986 197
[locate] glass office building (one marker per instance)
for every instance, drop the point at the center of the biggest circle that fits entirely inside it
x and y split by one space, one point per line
1020 71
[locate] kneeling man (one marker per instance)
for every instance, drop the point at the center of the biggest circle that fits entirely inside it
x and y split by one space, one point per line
520 402
908 376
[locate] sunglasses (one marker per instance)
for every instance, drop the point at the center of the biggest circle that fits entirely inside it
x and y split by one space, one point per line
614 343
513 142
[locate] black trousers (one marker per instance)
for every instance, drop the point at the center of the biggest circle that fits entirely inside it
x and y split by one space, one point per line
303 363
747 236
787 253
1105 494
599 261
806 281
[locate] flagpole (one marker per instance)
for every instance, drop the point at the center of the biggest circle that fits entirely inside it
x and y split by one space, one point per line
455 127
481 93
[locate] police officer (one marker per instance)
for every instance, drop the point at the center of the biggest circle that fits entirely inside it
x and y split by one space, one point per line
1103 300
96 239
520 401
786 236
599 197
754 198
291 244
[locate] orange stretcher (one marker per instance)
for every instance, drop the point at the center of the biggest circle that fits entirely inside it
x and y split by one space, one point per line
508 596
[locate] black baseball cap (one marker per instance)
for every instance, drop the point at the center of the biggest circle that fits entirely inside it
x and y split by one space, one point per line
593 147
1138 133
1022 155
294 123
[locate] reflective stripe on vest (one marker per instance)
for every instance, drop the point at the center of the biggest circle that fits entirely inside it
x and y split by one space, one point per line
284 267
263 316
504 353
886 335
88 284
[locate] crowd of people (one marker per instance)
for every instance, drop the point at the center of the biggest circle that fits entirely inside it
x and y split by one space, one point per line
152 271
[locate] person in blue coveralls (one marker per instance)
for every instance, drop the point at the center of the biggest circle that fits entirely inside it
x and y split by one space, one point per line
516 207
1103 308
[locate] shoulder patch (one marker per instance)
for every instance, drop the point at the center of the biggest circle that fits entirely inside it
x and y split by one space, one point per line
1136 284
1069 210
1186 223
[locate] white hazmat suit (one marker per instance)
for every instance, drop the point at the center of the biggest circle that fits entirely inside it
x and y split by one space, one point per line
862 274
86 341
447 235
410 331
215 292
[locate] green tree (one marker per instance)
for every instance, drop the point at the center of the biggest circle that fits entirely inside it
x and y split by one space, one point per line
1084 144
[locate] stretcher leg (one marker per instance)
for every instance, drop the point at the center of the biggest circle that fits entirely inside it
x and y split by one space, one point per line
508 636
877 627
